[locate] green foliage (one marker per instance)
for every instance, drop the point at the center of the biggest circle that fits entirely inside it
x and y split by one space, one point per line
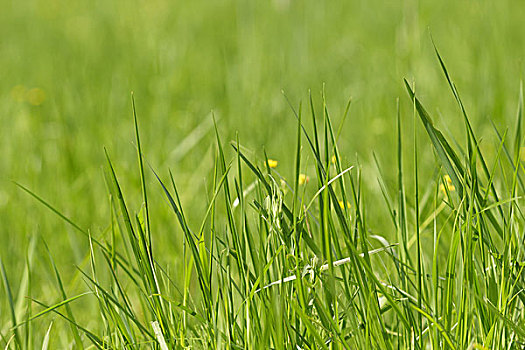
267 269
294 246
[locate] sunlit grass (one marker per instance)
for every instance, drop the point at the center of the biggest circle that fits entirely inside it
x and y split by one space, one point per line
282 266
343 219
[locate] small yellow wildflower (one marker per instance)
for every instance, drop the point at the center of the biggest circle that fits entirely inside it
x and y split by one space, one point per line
303 179
272 163
35 96
341 204
450 186
334 159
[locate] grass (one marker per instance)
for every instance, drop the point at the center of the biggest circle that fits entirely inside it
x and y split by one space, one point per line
208 239
288 266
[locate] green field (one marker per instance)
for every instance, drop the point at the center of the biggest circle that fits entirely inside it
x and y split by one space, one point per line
272 139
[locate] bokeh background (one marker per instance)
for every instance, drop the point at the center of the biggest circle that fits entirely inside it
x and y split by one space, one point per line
68 68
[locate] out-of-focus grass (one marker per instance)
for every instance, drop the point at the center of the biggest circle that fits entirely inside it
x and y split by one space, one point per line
68 68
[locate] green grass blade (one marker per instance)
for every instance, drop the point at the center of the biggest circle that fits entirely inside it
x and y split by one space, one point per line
10 300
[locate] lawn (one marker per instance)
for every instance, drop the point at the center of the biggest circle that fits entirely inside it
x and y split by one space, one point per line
267 174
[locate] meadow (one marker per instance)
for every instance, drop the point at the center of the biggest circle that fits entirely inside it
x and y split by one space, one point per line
273 174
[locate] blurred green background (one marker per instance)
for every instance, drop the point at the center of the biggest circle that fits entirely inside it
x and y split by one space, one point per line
68 67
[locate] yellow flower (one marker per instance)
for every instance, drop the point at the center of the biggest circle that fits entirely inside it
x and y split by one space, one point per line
272 163
450 186
303 179
35 96
341 204
334 159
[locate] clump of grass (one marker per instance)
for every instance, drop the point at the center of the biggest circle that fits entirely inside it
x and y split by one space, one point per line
276 263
